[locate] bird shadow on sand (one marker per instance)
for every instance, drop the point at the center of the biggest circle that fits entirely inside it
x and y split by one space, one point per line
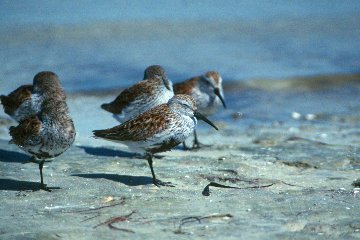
107 152
12 156
125 179
16 185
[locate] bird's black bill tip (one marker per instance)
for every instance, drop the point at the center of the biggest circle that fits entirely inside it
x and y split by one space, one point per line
167 83
96 133
217 93
202 117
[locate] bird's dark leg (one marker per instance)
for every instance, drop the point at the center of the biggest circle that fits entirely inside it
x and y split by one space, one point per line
198 144
42 185
185 146
156 181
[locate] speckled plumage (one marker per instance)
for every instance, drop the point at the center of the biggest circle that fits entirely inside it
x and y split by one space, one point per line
50 131
21 103
157 130
202 89
154 90
206 90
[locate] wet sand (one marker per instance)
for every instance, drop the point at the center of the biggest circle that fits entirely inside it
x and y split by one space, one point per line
295 175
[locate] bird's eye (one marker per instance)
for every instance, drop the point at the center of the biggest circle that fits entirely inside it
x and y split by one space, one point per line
185 105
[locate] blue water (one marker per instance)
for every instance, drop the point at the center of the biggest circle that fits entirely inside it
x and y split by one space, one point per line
96 45
81 11
334 106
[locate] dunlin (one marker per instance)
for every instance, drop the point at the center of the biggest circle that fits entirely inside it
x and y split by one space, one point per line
207 92
51 131
154 90
157 130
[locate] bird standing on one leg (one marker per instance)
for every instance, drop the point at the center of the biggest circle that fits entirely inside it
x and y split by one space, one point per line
154 90
208 93
157 130
49 131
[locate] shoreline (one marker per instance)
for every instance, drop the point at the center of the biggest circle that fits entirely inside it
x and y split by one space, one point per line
312 82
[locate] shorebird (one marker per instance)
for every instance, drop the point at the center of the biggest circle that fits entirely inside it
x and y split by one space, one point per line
154 90
208 93
50 131
157 130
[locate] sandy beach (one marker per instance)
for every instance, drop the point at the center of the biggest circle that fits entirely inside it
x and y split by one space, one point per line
292 179
285 163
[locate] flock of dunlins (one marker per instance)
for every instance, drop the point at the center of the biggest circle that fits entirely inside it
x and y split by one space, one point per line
154 116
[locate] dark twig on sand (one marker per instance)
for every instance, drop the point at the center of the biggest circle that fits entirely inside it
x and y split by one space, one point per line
98 208
113 220
198 219
206 191
97 214
291 184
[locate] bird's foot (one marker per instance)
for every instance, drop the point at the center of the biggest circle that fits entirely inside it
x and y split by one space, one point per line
186 147
45 188
198 145
160 183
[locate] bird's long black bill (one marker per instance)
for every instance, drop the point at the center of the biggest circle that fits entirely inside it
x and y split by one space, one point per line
167 83
217 92
202 117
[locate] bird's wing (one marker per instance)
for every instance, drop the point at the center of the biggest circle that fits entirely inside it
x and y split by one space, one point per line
16 98
27 129
127 96
186 86
140 128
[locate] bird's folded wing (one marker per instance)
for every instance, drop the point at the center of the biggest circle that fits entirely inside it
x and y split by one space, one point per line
126 97
140 128
28 128
15 98
186 86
